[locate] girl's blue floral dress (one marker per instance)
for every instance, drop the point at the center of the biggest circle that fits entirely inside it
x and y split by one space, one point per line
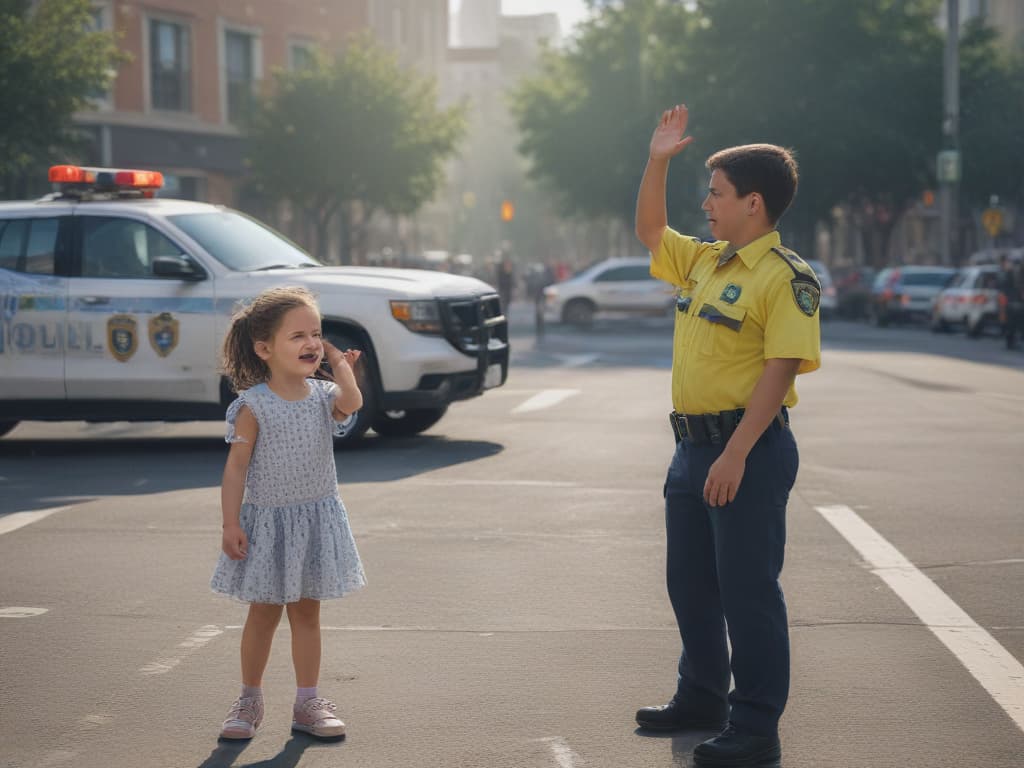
300 543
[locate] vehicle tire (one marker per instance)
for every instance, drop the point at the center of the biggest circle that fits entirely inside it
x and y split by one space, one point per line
881 318
407 423
938 325
360 421
7 426
974 330
579 312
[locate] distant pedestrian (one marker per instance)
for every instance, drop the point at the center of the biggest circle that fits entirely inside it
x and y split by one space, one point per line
746 324
286 539
506 279
1011 299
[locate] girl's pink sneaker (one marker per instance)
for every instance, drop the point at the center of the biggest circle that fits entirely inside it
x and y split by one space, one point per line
316 717
243 719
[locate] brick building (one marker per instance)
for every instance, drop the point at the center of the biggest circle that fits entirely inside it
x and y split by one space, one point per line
196 64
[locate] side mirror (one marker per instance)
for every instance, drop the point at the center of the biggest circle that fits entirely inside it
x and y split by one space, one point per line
179 267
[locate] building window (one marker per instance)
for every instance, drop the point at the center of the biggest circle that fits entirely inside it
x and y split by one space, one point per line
301 57
169 66
100 21
239 73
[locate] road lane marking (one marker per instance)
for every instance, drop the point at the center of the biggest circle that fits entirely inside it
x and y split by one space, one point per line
190 645
19 612
991 665
577 361
546 398
16 520
564 754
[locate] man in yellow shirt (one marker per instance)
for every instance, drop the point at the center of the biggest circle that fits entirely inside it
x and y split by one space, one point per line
746 325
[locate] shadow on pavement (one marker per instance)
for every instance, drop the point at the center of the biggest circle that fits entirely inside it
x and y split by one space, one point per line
682 744
226 753
39 474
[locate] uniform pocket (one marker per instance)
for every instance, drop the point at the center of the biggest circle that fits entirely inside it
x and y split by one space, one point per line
724 322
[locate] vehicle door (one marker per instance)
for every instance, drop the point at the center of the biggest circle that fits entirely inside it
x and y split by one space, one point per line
631 287
33 301
131 334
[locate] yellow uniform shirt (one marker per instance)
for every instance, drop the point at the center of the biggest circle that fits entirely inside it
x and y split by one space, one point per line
736 310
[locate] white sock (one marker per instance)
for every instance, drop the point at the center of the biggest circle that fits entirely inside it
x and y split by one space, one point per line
255 691
302 695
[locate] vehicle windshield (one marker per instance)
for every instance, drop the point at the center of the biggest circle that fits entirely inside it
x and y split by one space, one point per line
241 243
925 278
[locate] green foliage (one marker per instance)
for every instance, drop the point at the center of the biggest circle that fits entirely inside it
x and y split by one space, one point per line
356 128
585 116
991 109
49 65
855 88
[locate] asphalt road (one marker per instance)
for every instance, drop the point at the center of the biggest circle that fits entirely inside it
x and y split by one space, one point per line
516 613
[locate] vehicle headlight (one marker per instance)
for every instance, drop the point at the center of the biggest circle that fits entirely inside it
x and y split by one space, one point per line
417 316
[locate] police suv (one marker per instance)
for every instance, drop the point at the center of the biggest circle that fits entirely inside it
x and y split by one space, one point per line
114 303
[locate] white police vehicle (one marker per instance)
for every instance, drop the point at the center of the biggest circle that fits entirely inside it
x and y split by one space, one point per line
114 303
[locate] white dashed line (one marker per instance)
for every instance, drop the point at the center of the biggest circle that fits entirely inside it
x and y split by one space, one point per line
564 755
991 665
578 361
191 644
20 612
546 398
16 520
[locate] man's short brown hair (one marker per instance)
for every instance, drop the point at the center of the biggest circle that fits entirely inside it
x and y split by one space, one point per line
767 169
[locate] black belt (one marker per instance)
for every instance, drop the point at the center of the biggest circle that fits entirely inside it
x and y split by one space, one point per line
714 428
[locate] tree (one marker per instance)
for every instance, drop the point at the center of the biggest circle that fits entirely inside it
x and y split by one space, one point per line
349 136
587 116
50 65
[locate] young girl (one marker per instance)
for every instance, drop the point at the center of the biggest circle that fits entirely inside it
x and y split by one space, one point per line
287 543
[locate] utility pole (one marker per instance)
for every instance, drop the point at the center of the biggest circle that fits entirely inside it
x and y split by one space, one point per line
948 162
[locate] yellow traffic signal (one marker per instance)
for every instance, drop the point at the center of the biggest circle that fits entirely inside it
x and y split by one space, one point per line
508 211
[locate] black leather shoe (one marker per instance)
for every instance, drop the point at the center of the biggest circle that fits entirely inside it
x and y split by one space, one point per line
733 748
673 717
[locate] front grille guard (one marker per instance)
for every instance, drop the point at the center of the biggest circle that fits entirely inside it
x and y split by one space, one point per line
477 327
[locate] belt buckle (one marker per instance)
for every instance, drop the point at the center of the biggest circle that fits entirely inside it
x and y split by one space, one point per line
679 426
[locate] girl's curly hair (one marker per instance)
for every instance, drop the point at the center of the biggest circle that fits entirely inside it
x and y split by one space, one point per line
258 321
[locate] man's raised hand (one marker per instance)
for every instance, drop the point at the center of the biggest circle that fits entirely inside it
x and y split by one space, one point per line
668 140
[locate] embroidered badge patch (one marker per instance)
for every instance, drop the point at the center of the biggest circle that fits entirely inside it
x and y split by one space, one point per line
807 294
730 293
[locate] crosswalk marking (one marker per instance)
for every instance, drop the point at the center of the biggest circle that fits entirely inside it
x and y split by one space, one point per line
16 520
991 665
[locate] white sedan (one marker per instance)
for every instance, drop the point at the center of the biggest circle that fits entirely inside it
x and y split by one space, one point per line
614 286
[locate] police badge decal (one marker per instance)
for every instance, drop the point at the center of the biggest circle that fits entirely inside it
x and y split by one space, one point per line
163 333
122 337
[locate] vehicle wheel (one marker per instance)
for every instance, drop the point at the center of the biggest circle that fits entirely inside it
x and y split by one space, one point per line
7 426
938 325
360 421
406 423
881 318
974 330
579 312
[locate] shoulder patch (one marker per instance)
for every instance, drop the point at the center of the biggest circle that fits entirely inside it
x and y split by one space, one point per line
806 293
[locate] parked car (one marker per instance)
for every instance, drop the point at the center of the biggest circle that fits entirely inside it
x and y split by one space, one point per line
113 305
613 285
829 301
906 293
971 300
853 289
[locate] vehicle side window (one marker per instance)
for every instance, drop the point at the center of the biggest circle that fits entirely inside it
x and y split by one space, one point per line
618 274
113 247
29 245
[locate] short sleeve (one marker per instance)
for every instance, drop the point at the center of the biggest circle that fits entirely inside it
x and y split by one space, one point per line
232 416
789 331
675 256
329 391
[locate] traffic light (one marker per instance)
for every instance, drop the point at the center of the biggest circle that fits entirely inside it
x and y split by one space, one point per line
508 211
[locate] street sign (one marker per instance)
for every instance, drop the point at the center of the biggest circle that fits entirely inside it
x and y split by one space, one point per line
992 220
947 166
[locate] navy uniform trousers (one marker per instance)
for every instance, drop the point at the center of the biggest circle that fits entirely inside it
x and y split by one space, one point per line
723 572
